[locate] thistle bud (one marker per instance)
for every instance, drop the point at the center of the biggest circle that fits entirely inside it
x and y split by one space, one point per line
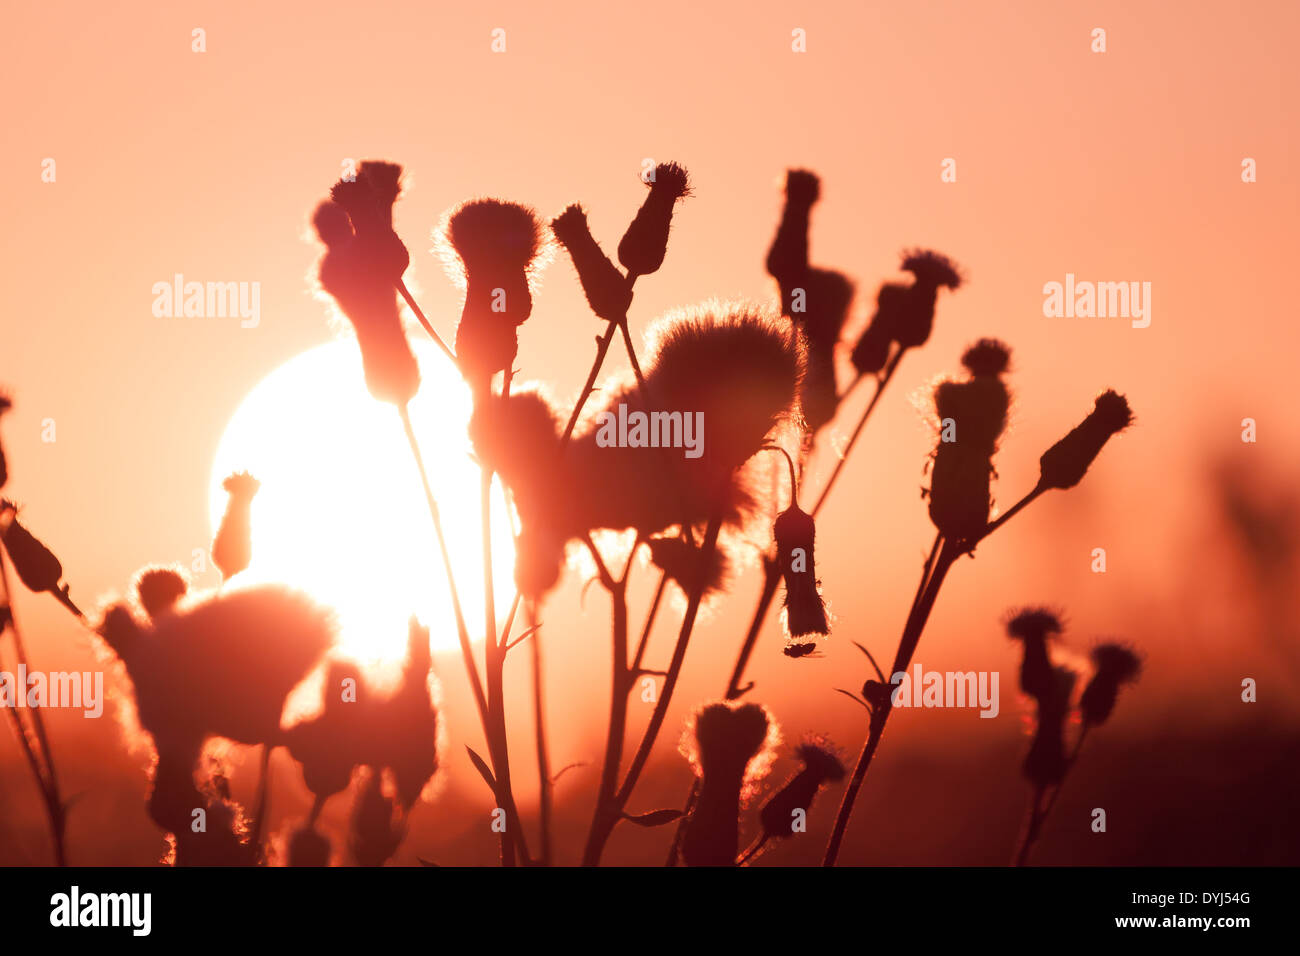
37 566
642 248
820 766
795 531
159 589
931 271
1046 763
607 291
1034 627
684 565
368 200
232 548
1065 463
497 244
1116 665
363 261
972 415
872 349
787 259
727 738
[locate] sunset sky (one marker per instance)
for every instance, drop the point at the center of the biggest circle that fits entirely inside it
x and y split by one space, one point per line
1117 166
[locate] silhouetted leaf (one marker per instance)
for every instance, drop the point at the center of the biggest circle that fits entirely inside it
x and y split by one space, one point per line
483 769
655 818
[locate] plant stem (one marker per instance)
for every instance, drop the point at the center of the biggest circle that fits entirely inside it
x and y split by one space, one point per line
419 314
912 630
1040 810
884 380
539 740
467 652
39 757
608 813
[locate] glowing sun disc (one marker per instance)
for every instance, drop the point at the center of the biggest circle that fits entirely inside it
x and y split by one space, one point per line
341 512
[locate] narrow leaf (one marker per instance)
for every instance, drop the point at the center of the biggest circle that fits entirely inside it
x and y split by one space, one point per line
655 818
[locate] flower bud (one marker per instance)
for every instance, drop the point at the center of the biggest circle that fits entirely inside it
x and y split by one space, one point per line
805 610
37 566
820 766
1065 463
1116 665
1034 627
607 291
232 548
642 248
727 738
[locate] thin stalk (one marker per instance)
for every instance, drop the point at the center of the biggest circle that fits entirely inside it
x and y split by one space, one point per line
545 785
1040 809
617 731
40 757
462 632
419 314
609 813
883 381
602 347
912 631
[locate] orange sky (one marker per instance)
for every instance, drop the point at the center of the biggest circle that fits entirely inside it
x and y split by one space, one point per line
1117 166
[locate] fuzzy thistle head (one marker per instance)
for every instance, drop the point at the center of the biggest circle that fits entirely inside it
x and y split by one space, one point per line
1034 627
241 486
498 246
727 738
1115 665
787 259
363 264
932 269
805 609
1065 463
972 415
735 364
821 765
684 565
642 248
158 590
607 291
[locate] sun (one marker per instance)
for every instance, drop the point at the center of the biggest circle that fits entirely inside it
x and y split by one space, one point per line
341 511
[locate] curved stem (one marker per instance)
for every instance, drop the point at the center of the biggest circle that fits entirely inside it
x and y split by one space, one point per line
608 814
857 431
912 630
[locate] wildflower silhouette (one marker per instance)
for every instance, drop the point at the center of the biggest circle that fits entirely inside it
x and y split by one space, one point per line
1047 763
232 548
